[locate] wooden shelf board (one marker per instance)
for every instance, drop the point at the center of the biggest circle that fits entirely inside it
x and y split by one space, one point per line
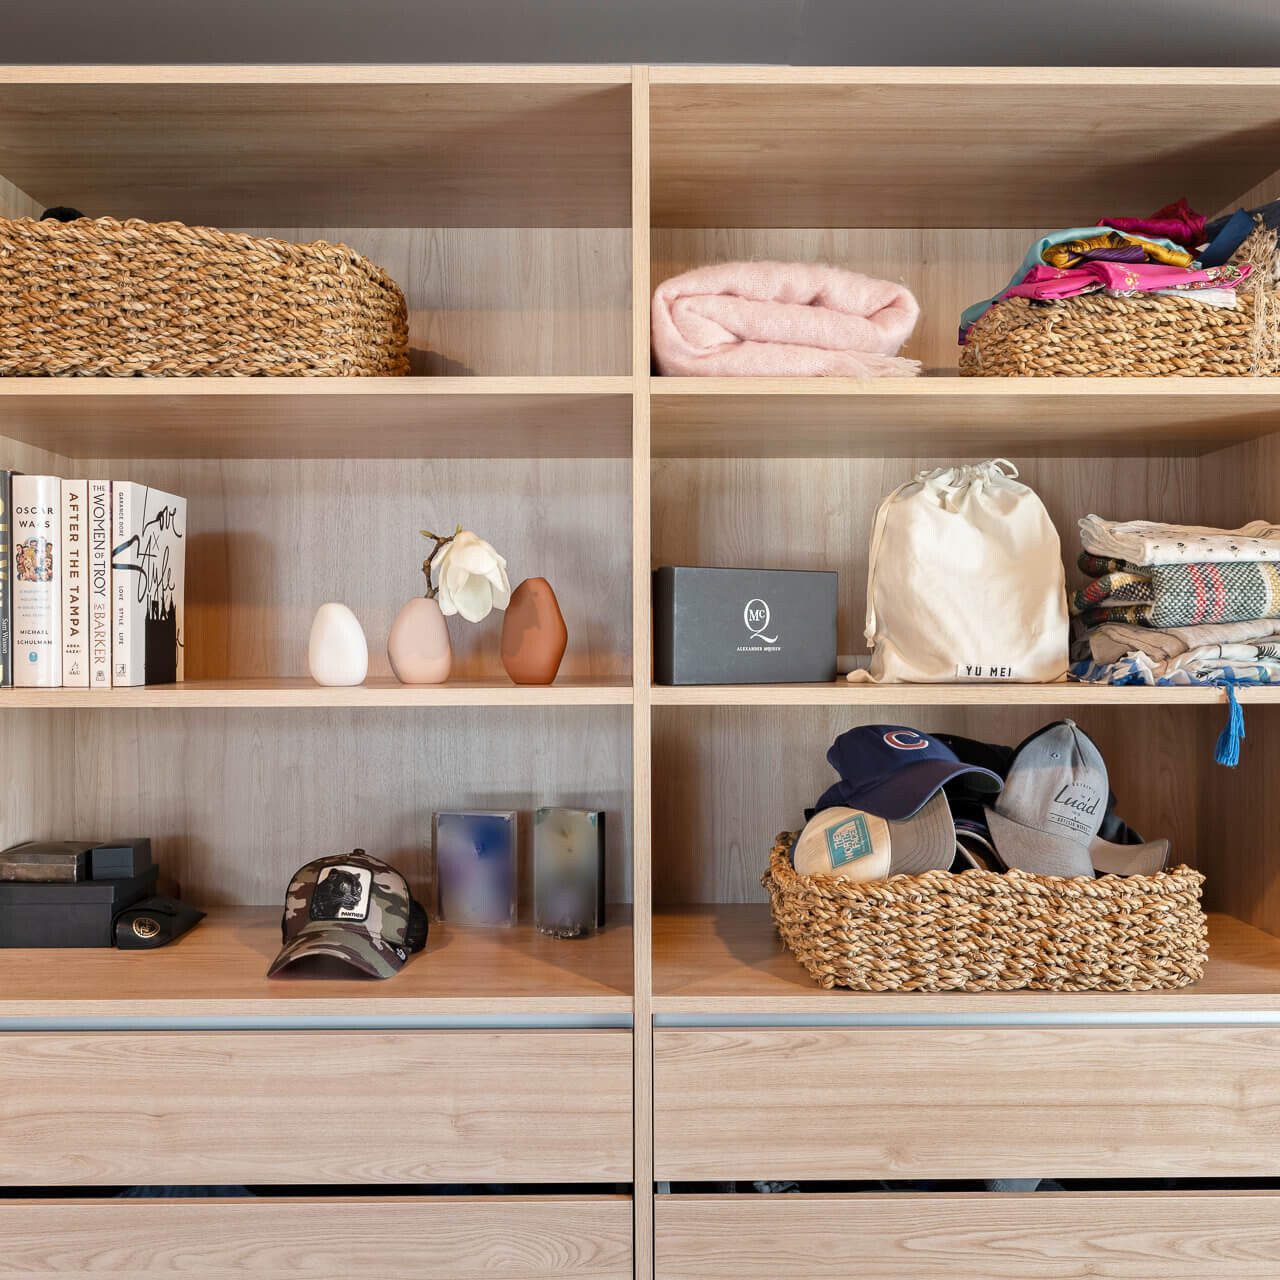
953 416
532 417
841 693
324 146
303 692
728 959
219 970
966 147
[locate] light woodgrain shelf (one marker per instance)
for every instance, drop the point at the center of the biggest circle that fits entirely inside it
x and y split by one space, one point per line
841 693
957 417
219 970
727 958
550 417
324 146
954 147
302 692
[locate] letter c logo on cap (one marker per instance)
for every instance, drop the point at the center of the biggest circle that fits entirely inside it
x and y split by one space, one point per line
906 740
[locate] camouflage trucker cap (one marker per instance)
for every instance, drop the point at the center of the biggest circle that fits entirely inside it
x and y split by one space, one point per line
353 908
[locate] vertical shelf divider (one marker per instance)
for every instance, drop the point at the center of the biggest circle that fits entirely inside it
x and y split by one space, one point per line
641 668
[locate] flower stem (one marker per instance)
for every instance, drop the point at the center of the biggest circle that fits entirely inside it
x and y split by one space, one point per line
432 589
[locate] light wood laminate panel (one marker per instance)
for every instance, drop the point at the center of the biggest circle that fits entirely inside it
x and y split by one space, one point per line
946 269
375 147
219 970
320 417
269 542
728 779
303 692
957 417
727 959
968 147
840 693
641 715
236 801
454 1238
1240 811
950 1236
505 301
1058 1102
210 1108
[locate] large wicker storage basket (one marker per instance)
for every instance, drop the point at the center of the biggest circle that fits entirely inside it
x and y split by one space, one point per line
979 931
1146 336
99 297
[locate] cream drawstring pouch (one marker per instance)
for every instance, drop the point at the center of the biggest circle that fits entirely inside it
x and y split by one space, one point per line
965 582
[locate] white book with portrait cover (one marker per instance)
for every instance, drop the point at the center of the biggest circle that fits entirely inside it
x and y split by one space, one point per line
75 579
148 581
99 532
37 590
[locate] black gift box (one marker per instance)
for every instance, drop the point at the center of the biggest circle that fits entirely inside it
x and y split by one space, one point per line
68 915
121 859
743 626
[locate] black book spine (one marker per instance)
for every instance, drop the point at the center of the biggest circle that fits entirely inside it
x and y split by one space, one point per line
6 579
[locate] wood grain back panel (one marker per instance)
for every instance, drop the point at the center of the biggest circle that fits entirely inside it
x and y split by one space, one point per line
948 1236
1055 1102
209 1108
235 801
269 542
454 1238
503 300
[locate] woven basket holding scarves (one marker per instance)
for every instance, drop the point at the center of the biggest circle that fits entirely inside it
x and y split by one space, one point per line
93 297
1147 336
981 931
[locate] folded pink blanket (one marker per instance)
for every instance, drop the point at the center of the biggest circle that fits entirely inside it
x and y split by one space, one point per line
781 319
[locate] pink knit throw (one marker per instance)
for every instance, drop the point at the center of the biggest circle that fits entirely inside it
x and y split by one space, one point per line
781 319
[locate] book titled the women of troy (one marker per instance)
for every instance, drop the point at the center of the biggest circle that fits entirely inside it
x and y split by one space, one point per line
148 579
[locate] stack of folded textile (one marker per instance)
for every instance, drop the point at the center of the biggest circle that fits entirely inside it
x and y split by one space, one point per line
1178 604
1170 252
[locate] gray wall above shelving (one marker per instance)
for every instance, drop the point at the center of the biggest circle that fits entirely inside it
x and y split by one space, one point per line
848 32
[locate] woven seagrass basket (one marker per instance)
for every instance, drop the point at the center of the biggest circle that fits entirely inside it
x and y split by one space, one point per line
1147 336
979 931
97 297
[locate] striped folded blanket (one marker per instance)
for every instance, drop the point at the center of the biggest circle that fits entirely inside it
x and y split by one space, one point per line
1178 595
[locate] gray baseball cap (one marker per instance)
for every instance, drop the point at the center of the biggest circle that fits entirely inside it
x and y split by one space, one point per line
1046 820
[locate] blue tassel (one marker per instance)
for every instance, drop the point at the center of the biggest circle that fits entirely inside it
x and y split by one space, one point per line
1229 740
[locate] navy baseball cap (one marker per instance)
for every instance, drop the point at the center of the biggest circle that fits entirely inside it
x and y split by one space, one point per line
893 771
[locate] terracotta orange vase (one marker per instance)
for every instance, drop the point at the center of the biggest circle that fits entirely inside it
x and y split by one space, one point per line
533 633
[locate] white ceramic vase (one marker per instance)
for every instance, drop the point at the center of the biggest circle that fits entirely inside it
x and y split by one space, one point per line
419 646
338 653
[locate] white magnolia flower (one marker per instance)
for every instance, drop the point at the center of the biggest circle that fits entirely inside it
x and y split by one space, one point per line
471 577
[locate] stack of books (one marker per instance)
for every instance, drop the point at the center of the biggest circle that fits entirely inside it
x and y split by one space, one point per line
92 576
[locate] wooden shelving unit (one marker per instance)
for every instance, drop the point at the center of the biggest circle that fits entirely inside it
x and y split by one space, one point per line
526 211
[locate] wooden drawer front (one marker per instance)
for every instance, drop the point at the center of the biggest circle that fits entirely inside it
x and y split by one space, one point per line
444 1239
969 1103
315 1107
969 1237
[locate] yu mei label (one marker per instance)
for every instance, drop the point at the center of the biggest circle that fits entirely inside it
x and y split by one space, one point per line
148 581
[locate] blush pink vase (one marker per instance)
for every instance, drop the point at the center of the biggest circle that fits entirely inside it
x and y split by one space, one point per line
533 633
419 646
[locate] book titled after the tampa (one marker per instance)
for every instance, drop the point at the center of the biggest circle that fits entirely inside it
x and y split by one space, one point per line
148 579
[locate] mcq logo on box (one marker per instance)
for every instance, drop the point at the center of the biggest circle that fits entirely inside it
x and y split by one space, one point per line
756 616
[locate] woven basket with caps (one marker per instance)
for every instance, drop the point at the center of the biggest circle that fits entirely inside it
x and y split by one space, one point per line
1146 336
97 297
980 931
